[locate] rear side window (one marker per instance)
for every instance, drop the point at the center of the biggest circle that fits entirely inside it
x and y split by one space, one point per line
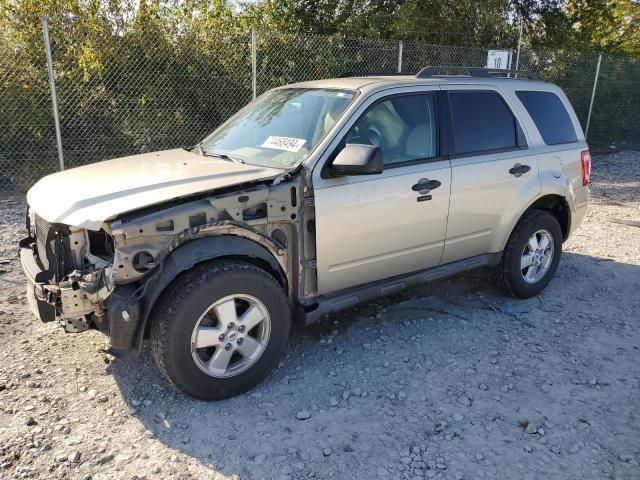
550 116
482 122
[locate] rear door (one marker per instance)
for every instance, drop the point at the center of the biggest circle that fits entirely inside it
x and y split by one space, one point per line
493 170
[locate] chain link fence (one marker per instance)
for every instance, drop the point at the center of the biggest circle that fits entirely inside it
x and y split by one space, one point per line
149 96
144 91
27 136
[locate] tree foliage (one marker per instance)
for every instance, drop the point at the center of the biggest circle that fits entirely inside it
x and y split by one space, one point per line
608 25
602 25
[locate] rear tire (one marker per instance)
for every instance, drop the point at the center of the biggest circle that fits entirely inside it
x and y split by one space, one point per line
220 329
532 255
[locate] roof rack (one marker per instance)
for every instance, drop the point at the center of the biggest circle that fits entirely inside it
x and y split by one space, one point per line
370 74
429 72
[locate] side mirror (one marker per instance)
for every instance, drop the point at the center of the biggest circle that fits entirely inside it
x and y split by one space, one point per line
356 159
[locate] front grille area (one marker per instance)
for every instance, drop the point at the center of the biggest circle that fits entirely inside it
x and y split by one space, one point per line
52 241
42 234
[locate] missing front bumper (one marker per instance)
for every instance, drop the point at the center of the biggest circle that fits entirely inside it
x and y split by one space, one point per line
74 309
37 297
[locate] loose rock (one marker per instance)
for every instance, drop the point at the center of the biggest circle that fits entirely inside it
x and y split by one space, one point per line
303 415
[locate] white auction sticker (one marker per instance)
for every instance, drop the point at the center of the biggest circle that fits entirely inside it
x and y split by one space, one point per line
288 144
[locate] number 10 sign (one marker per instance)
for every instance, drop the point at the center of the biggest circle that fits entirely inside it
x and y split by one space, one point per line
499 59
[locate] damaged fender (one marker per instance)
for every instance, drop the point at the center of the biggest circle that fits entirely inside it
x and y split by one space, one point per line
182 259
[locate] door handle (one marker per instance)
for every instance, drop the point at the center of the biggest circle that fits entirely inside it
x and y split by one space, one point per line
425 185
518 170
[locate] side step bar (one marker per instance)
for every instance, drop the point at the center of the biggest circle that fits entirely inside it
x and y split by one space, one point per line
351 297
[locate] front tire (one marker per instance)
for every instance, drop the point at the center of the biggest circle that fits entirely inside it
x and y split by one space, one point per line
220 329
532 255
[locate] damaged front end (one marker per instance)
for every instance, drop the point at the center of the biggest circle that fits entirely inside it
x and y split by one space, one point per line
66 280
71 278
109 279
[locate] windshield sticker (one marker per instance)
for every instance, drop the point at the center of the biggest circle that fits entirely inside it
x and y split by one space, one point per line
287 144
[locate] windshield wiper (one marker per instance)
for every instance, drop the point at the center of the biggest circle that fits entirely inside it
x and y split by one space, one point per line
223 156
201 151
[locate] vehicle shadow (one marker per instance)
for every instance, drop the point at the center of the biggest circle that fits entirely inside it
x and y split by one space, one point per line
347 372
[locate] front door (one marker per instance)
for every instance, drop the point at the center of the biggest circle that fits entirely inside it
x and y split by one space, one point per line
378 226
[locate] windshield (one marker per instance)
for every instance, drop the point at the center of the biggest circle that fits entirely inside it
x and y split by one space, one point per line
281 128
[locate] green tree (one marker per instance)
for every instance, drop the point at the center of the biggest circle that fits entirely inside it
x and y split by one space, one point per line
602 25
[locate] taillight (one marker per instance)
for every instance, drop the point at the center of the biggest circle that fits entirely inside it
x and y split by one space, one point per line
585 159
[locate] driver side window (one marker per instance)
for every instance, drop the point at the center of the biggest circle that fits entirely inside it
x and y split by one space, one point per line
404 127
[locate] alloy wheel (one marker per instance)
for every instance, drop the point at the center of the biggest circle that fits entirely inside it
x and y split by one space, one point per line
230 336
537 256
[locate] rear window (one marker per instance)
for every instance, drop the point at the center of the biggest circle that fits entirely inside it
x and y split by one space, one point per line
482 122
550 116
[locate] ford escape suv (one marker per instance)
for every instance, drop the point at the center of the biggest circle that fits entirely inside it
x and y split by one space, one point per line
313 198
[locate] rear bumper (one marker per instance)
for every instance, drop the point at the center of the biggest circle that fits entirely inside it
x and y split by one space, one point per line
581 202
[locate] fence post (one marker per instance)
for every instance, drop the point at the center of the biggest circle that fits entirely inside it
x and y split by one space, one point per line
52 87
593 96
400 49
254 62
519 43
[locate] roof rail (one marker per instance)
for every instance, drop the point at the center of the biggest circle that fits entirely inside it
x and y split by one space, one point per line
429 72
370 74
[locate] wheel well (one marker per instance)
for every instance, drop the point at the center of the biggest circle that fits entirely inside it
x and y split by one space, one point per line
261 263
258 262
558 207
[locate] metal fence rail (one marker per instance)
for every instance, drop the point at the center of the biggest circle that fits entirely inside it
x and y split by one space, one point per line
149 92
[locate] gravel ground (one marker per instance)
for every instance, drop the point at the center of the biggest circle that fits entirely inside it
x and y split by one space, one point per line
451 381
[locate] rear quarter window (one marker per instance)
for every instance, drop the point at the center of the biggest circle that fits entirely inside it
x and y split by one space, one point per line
550 116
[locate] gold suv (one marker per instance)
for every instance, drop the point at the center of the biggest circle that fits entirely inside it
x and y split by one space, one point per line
313 198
